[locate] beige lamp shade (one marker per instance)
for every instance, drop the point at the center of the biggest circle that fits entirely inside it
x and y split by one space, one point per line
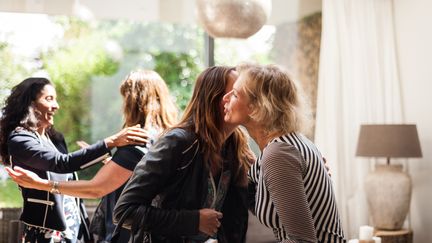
389 140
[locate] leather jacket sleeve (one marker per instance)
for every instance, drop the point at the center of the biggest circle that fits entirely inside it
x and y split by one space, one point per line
27 151
134 207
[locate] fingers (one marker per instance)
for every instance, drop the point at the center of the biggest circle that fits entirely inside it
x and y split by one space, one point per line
82 144
19 169
136 128
139 132
14 175
16 171
137 140
218 223
132 135
11 172
209 221
137 135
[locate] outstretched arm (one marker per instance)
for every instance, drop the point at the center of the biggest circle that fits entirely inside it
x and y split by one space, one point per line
26 151
110 177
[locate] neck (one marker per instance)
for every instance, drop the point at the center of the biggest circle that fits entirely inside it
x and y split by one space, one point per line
41 131
228 130
258 134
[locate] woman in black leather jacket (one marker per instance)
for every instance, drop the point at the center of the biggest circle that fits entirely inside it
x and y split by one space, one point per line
191 186
27 139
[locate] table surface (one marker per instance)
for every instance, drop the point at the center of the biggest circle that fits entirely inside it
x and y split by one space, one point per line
392 232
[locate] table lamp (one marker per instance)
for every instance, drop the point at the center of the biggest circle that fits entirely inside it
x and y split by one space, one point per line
388 188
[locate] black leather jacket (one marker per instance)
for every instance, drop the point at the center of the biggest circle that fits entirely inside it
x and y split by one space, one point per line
161 201
42 208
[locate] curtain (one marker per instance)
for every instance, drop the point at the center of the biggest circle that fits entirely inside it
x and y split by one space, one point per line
358 83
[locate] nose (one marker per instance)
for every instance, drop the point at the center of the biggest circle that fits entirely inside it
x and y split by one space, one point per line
55 105
227 96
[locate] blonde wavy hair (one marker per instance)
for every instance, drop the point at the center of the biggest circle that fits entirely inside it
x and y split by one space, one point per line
277 102
146 100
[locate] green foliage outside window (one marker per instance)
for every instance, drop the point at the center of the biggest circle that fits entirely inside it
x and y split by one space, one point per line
179 70
71 68
12 70
81 56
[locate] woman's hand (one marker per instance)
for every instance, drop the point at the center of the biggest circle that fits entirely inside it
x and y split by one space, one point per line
82 144
209 221
327 166
129 135
27 178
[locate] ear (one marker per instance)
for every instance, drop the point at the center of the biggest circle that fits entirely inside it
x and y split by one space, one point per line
250 109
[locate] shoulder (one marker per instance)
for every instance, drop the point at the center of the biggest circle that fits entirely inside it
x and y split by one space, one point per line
281 149
21 141
128 150
179 133
178 143
20 135
177 137
278 154
129 156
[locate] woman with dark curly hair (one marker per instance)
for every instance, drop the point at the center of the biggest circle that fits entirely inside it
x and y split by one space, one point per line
147 102
28 140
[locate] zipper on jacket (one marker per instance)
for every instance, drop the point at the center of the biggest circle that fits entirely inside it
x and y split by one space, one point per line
48 176
193 157
213 205
46 207
46 202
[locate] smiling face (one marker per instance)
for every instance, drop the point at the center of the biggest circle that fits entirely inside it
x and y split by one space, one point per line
46 105
237 108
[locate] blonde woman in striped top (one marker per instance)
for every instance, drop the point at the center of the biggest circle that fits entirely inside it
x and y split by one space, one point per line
294 194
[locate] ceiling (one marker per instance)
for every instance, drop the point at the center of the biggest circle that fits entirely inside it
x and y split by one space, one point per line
177 11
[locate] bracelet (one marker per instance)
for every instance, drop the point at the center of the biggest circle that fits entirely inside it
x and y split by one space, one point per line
55 188
108 159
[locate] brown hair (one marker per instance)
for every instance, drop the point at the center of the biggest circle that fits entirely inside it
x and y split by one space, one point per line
277 101
147 100
204 117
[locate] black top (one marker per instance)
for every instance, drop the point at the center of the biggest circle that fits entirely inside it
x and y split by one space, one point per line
127 157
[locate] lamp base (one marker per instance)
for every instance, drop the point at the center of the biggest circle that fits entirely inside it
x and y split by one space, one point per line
388 192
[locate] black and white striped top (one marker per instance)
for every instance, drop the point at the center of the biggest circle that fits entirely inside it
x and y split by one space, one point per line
294 193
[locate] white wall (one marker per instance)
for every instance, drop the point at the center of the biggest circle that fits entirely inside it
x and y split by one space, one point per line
413 20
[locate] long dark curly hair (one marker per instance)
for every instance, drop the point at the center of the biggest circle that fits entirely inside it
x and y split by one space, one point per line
18 111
